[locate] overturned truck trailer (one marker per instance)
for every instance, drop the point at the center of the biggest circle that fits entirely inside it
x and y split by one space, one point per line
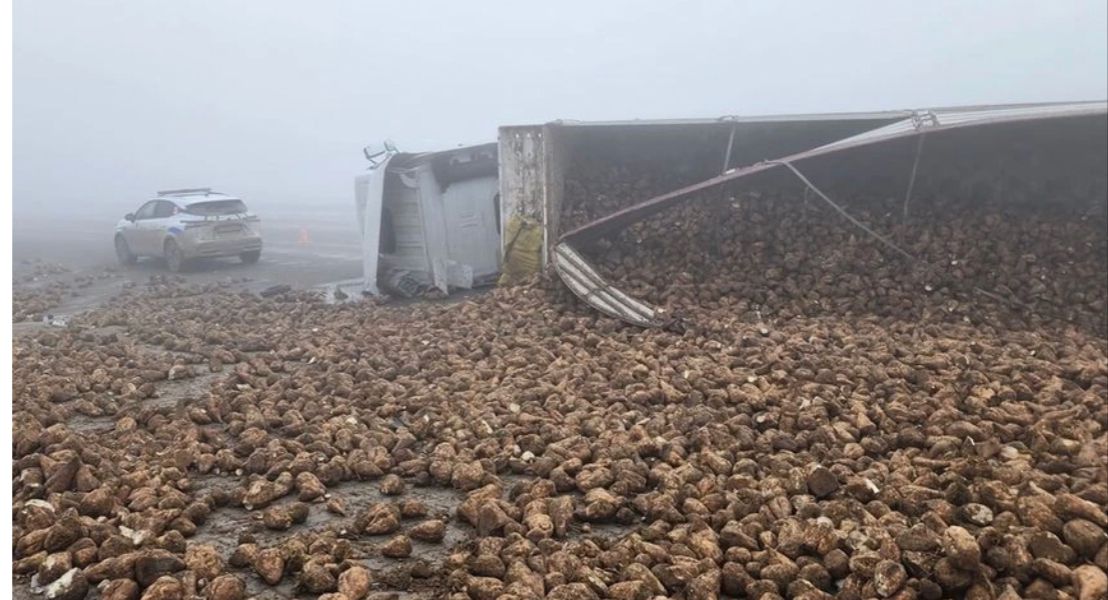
547 210
427 227
1029 153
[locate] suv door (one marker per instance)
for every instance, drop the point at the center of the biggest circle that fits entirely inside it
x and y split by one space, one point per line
165 216
138 235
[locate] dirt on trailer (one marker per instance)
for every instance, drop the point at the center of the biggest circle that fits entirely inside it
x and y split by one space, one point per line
821 424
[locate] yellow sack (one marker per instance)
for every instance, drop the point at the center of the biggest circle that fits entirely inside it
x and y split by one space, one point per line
522 251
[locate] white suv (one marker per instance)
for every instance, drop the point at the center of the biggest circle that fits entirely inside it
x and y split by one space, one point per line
181 225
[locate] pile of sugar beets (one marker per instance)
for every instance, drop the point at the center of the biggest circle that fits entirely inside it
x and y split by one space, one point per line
829 420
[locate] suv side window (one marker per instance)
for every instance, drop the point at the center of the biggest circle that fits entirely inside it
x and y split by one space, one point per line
163 209
146 211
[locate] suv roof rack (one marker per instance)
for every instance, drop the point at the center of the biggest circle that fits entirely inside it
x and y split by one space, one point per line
186 192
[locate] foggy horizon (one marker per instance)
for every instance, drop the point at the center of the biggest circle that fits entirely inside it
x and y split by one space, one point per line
273 101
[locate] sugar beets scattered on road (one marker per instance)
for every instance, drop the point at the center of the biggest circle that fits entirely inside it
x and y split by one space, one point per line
830 423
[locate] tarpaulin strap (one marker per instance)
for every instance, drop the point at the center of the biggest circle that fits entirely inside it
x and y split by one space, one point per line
512 244
842 212
929 269
730 145
912 178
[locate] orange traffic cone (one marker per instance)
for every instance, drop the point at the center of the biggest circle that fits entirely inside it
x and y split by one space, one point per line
303 240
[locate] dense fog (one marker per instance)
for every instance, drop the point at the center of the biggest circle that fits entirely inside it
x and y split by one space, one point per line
274 100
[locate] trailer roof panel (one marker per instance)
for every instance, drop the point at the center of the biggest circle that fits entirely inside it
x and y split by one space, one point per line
729 119
946 118
829 116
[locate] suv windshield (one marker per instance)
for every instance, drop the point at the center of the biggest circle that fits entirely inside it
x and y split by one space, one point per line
216 207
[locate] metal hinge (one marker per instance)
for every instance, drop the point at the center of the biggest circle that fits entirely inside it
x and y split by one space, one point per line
924 119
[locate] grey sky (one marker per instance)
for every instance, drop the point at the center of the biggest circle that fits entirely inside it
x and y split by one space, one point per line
273 100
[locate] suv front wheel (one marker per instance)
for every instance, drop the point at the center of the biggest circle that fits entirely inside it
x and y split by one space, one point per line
123 252
174 259
250 257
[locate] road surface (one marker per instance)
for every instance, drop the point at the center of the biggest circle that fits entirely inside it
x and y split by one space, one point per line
302 248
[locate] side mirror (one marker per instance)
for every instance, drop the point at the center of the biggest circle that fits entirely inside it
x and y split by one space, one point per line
130 217
375 152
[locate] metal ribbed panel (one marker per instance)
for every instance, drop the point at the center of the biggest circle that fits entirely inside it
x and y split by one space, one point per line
585 283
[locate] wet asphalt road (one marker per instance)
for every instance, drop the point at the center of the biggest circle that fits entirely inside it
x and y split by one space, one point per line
302 248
